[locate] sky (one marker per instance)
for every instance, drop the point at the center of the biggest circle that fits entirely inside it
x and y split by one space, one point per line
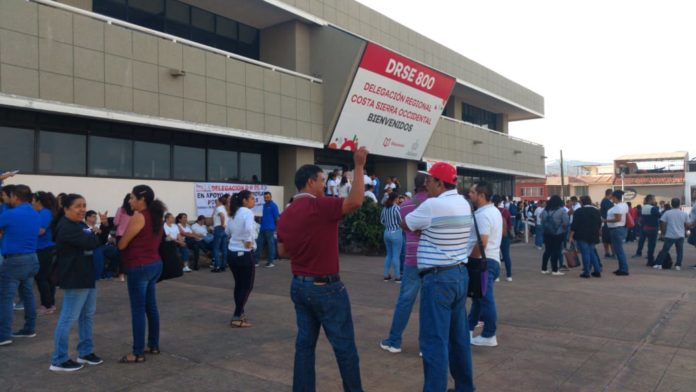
618 77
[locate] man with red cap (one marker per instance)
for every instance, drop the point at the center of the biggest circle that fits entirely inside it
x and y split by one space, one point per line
447 238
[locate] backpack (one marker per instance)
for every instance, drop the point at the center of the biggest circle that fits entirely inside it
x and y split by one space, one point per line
630 223
550 224
664 259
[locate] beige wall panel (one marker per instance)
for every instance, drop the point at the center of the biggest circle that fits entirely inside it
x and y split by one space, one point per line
171 107
194 60
55 57
194 111
84 4
216 114
89 64
145 102
55 87
19 15
118 41
88 33
145 47
119 98
215 66
236 96
235 71
215 91
19 81
19 49
194 87
145 76
89 93
119 71
55 24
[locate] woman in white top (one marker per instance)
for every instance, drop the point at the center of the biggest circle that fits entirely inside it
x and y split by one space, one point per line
331 185
616 222
171 233
190 244
344 187
241 229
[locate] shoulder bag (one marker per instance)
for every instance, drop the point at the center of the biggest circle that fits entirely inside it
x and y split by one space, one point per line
477 269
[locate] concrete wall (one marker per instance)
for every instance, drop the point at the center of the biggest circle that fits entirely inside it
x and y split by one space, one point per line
290 158
287 45
60 56
364 21
454 141
405 171
335 56
106 194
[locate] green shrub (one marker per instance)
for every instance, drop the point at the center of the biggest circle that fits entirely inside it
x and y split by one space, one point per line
360 231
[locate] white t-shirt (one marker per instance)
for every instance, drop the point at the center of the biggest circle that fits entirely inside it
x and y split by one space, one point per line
368 180
537 214
171 231
185 228
216 217
332 188
619 208
201 230
388 186
371 195
241 228
344 190
674 219
490 223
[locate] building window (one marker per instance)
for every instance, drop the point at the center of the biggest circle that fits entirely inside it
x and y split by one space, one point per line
19 154
178 18
189 163
151 160
533 191
222 165
110 157
250 167
480 117
62 153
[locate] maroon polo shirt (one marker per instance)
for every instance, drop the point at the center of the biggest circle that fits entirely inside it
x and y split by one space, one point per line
308 228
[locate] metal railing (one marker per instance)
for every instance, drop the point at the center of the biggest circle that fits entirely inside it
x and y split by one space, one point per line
173 38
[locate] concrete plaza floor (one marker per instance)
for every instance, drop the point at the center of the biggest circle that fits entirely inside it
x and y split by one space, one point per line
555 333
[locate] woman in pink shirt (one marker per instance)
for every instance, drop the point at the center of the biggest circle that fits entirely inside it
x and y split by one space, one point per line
123 215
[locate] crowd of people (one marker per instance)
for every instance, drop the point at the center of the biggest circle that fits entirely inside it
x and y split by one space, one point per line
443 245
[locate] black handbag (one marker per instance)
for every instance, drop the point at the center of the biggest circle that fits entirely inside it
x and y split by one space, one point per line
477 269
692 237
172 266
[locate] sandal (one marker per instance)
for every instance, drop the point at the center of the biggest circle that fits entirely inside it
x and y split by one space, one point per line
152 350
132 358
240 324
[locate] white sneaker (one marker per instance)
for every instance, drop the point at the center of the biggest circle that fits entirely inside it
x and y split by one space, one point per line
393 350
497 279
558 273
657 266
481 341
187 269
420 354
678 268
509 279
545 272
5 342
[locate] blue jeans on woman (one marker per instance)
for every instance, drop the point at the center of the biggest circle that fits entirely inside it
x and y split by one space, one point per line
589 257
78 304
393 240
505 251
326 306
143 301
484 309
219 247
410 286
539 235
617 236
17 272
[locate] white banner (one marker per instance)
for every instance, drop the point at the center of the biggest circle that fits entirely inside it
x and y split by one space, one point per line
207 192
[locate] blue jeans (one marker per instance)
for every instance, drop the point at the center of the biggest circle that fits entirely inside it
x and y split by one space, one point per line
219 247
505 250
184 252
484 309
143 301
539 235
393 241
17 272
444 331
589 257
266 236
402 257
679 244
325 306
651 236
410 286
106 252
78 304
617 236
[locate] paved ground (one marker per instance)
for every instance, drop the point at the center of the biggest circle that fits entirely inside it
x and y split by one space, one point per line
633 333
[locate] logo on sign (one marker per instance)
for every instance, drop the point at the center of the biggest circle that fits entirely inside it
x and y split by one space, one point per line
630 194
386 142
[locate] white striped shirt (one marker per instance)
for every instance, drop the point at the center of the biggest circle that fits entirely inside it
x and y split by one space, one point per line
447 230
390 217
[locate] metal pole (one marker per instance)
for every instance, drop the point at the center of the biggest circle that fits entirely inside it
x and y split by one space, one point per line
562 179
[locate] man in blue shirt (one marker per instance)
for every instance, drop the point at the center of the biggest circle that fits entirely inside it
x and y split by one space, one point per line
267 232
20 226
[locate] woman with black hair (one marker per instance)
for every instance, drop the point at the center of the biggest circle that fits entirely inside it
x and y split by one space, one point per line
140 250
45 204
555 221
241 229
189 242
76 279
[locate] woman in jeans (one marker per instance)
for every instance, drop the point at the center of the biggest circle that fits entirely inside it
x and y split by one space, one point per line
140 249
585 231
76 279
45 204
390 218
555 221
241 229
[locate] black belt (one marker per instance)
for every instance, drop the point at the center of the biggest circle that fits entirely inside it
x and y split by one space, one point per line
319 279
426 271
9 255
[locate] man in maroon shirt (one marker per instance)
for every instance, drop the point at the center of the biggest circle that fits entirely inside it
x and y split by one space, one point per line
308 234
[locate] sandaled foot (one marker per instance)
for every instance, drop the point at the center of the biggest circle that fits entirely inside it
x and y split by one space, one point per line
132 358
152 350
240 324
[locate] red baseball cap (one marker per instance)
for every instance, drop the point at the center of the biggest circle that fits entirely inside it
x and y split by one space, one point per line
443 172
